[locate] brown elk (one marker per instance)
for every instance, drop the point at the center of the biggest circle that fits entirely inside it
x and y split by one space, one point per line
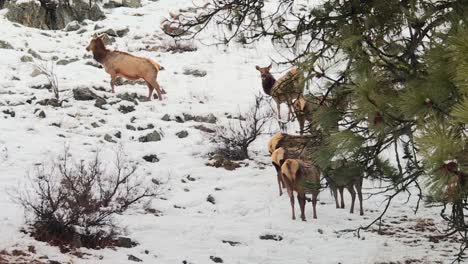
338 179
285 90
299 142
302 178
118 63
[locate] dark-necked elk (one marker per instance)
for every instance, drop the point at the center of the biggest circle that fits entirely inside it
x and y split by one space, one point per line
345 174
284 90
302 178
122 64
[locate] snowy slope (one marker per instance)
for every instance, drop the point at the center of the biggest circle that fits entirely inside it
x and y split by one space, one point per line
190 228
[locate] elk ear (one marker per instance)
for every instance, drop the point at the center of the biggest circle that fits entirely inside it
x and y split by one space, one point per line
269 66
257 67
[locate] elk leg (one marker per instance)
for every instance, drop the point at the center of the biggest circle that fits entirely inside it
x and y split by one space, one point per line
291 199
314 203
301 124
280 181
342 198
359 192
278 106
112 82
156 86
335 194
150 90
301 199
353 197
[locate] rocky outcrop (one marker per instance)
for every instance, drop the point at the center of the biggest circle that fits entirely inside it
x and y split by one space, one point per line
50 14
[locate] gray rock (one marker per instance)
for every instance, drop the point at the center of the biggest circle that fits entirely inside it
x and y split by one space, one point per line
50 101
166 117
195 72
100 102
94 64
149 126
34 54
108 138
118 134
125 242
151 137
72 26
125 109
124 3
9 112
95 125
122 32
41 114
133 258
133 97
271 237
66 61
84 94
5 45
216 259
151 158
47 86
211 199
130 127
108 31
81 31
26 58
203 119
35 15
182 134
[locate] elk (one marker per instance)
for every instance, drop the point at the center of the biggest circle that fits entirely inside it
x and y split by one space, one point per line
118 63
277 159
284 90
299 142
303 178
338 179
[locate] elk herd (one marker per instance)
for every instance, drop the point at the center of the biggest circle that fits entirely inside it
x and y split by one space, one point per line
292 155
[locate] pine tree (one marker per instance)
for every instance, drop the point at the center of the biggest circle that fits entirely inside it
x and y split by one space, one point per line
399 72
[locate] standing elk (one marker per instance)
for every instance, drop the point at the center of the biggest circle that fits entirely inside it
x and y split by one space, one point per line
338 178
302 178
118 63
284 90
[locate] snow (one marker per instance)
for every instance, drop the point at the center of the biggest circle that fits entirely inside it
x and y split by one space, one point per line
247 202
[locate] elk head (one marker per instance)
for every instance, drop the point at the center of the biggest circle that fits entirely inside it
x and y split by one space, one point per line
264 71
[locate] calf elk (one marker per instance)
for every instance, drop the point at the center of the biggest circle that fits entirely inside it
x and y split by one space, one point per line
118 63
302 178
284 90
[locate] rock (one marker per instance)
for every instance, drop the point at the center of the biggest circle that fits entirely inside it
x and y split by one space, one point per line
271 237
41 114
72 26
66 61
52 102
151 137
182 134
108 138
216 259
95 125
166 117
130 127
100 102
122 32
81 31
26 58
98 26
34 54
205 129
126 108
123 3
133 97
232 243
194 72
9 112
210 199
133 258
108 31
84 94
179 119
151 158
47 86
149 126
52 14
5 45
125 242
118 134
203 119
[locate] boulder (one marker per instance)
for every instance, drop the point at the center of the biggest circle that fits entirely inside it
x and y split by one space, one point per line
151 137
72 26
5 45
84 94
52 14
123 3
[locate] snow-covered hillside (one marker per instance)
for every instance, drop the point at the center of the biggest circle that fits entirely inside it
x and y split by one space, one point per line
188 229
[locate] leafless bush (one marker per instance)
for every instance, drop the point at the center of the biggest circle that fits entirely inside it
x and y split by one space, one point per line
236 137
48 70
72 204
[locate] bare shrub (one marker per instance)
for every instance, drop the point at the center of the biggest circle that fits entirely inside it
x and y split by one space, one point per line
48 70
236 137
72 204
